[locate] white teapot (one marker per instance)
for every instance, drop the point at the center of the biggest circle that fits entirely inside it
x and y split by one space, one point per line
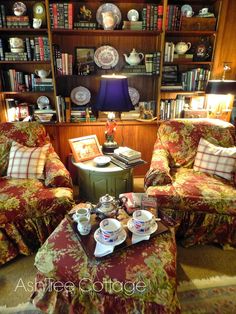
182 47
134 58
42 73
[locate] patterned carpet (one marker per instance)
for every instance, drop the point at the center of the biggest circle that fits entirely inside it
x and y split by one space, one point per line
216 295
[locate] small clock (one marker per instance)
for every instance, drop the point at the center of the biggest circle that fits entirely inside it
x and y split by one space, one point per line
39 11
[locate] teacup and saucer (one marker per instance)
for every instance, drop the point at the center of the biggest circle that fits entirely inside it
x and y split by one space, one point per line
110 232
142 223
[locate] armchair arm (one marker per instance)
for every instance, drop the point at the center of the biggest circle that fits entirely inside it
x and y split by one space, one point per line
56 174
159 172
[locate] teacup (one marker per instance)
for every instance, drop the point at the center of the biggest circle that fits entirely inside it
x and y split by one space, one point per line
203 11
189 13
84 225
142 220
81 213
37 23
110 229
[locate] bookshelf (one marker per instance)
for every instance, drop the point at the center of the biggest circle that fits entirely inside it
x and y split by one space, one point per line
196 34
74 35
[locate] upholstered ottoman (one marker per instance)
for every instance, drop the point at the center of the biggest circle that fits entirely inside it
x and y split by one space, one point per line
140 278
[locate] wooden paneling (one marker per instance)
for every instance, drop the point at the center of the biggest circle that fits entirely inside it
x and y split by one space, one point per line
139 136
226 41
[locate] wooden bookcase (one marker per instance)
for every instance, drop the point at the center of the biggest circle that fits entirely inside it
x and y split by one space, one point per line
135 134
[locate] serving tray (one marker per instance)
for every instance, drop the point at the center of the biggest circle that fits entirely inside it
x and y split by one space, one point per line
88 243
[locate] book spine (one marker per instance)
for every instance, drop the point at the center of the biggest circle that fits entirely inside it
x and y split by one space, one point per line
70 15
3 14
144 18
28 50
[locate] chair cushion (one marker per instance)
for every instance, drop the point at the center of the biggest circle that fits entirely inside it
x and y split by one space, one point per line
215 160
27 162
22 198
196 191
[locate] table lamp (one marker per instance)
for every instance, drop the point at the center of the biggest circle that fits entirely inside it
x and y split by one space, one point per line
220 97
113 96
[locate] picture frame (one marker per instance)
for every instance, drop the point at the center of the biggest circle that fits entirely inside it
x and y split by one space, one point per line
85 148
84 60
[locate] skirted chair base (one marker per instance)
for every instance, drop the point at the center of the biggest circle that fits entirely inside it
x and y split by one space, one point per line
25 236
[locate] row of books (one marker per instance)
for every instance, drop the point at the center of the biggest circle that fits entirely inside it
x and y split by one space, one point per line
18 81
61 15
173 18
36 49
172 108
13 21
69 113
126 157
63 62
151 65
152 16
195 79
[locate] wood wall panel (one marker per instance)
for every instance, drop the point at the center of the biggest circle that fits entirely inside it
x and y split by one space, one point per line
226 41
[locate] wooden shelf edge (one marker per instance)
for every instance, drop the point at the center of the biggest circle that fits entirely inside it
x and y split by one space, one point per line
105 32
101 123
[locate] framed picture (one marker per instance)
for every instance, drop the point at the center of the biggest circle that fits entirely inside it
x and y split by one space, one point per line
84 58
85 148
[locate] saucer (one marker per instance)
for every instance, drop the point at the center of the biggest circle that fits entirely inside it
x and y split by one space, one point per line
131 228
98 238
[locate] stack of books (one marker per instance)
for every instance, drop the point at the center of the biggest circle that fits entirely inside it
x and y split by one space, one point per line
13 21
133 25
42 84
126 157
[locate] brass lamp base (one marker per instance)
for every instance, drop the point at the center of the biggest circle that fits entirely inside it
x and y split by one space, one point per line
109 147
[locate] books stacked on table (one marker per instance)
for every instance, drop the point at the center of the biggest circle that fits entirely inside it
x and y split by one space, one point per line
126 157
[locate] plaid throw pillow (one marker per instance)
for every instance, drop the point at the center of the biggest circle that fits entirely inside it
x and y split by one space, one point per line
27 162
215 160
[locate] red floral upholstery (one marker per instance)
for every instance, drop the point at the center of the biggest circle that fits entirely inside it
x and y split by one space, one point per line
30 209
203 205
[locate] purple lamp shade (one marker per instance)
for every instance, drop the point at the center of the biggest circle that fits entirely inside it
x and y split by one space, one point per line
113 94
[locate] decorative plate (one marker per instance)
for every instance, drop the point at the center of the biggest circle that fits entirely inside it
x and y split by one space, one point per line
106 7
98 238
106 57
42 102
80 95
19 8
134 95
133 15
185 8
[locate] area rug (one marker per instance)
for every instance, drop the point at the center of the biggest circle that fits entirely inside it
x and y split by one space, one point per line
215 295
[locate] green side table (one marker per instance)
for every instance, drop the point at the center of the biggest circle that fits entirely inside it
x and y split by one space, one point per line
95 181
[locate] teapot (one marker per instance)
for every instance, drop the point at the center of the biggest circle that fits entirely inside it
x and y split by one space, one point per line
182 47
134 58
107 205
42 73
109 20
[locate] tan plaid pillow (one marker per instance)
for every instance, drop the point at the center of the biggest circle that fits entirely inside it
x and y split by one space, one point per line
215 160
27 162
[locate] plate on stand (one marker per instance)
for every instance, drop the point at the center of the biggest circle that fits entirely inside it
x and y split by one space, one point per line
106 57
134 95
80 95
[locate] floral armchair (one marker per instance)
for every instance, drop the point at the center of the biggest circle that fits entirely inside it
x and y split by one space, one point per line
202 205
30 208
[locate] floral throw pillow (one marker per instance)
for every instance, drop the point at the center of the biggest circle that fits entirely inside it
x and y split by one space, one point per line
27 162
215 160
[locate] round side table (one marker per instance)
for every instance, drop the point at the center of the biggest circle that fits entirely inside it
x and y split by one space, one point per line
95 181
